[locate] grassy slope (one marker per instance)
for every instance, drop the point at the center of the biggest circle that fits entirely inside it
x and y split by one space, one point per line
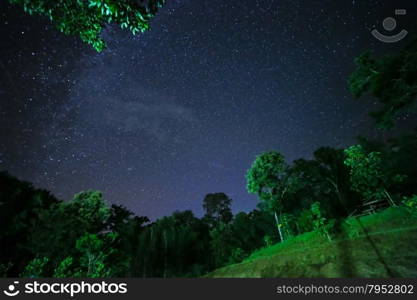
393 232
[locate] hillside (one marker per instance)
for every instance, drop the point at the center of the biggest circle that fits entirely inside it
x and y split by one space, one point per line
386 248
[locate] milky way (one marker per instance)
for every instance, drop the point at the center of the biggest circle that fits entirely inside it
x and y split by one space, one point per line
157 121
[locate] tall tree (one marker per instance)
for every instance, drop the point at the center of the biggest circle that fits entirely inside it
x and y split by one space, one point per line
368 174
217 208
87 18
270 179
336 174
21 206
128 228
398 153
55 234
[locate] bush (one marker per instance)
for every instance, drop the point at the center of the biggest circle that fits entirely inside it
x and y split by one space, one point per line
352 228
269 241
35 268
320 223
411 204
305 221
237 256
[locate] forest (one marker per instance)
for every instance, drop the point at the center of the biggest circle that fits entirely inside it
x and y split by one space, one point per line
43 236
85 237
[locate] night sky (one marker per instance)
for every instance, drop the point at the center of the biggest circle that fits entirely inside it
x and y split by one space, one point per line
159 120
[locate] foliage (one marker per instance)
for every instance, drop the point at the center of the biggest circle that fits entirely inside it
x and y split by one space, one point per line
293 188
341 199
320 223
286 223
92 256
411 204
351 228
305 221
217 208
369 177
221 246
268 241
392 79
176 245
398 153
129 229
51 237
85 237
308 255
91 208
270 178
20 208
65 269
92 260
35 268
310 198
237 256
87 18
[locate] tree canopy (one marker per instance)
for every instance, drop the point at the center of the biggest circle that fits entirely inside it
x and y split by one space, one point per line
267 178
217 207
368 174
391 79
87 18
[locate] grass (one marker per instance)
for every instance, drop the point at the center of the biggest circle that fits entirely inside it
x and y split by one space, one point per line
378 245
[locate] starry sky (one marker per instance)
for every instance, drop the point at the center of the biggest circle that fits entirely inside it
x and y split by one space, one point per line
158 120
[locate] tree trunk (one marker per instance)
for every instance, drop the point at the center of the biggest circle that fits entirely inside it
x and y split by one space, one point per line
328 236
390 201
336 189
279 227
166 253
90 262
